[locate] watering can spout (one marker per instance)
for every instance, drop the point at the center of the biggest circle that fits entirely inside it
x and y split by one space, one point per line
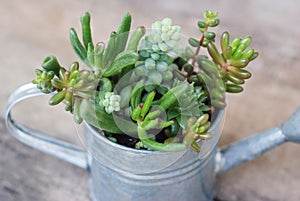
249 148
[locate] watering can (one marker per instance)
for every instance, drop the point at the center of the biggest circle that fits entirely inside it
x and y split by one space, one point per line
119 173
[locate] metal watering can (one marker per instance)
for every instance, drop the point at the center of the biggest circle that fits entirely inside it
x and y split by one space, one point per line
121 173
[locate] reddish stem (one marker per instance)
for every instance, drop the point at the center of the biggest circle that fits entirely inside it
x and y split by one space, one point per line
198 49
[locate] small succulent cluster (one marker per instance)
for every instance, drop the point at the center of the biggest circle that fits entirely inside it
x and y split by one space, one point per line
142 85
156 66
179 112
224 72
232 60
197 130
72 85
210 20
43 80
163 37
111 102
155 62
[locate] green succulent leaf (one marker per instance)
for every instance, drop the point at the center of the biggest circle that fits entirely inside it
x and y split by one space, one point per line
218 103
172 95
107 122
153 145
224 41
209 35
255 54
234 79
209 66
90 53
50 63
122 33
125 24
135 38
110 51
78 47
214 53
248 54
241 73
214 22
58 97
227 53
105 85
86 30
210 14
235 43
120 63
233 88
76 111
98 55
136 93
194 42
202 24
238 63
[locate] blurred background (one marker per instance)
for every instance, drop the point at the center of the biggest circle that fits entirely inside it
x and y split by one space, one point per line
33 29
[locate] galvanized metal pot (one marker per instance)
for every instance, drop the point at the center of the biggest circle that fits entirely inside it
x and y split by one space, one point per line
121 173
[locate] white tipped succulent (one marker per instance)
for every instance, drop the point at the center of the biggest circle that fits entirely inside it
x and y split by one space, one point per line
163 36
111 102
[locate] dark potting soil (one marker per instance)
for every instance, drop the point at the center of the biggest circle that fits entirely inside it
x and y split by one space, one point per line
125 140
130 141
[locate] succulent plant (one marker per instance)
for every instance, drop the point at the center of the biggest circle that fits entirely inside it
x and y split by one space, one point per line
163 36
111 102
43 80
142 84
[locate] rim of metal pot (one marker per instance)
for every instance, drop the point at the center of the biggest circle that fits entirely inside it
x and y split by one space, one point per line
218 119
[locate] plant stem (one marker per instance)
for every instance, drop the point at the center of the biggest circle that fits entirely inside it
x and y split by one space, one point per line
200 44
197 50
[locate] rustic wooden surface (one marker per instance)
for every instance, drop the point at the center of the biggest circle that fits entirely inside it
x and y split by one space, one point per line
30 30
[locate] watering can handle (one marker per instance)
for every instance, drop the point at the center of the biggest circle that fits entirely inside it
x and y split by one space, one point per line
60 149
249 148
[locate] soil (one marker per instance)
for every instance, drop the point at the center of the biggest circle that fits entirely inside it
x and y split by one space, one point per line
130 141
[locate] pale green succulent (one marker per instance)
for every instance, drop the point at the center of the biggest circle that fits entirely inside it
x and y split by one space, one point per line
163 36
111 102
